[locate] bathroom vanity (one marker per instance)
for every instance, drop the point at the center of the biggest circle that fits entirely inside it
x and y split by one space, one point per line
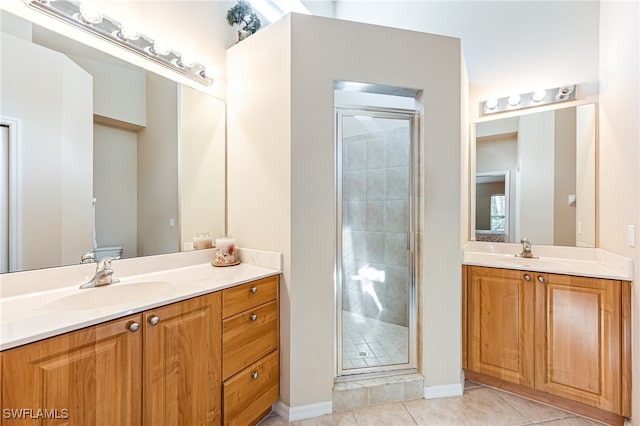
555 329
205 352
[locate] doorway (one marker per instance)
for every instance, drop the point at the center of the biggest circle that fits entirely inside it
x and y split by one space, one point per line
376 216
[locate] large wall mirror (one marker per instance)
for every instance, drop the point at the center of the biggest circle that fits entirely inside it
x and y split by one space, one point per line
100 155
535 178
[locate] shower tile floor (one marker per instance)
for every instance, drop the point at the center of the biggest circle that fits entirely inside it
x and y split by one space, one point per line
368 342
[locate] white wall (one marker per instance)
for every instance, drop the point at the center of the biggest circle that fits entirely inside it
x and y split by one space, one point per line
586 175
158 170
116 188
259 162
54 115
509 46
112 85
536 164
619 148
281 179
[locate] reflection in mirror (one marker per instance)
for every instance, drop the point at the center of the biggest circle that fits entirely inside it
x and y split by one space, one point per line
103 158
492 206
535 178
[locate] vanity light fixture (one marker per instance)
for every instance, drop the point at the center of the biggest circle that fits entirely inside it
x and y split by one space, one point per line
86 16
527 100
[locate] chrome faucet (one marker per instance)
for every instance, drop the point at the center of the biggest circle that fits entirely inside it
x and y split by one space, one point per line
103 274
526 249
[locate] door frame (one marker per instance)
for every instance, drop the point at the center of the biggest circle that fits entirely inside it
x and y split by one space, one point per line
15 184
413 116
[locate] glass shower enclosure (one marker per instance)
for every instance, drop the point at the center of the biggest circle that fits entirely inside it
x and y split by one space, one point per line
375 265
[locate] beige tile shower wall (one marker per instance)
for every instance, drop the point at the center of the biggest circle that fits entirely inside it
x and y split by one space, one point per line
375 223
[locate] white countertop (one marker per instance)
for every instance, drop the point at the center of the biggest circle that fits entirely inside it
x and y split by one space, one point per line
28 316
580 261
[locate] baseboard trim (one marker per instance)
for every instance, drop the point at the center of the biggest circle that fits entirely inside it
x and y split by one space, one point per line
432 392
302 412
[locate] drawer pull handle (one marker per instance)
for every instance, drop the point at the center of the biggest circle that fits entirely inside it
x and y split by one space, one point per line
253 317
254 375
540 278
253 290
527 277
154 320
134 326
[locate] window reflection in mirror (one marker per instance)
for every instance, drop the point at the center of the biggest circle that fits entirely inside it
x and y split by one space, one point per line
112 158
543 165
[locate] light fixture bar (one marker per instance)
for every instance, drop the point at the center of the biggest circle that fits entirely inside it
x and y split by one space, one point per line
528 100
115 32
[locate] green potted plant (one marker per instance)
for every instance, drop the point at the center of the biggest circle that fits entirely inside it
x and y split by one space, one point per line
242 14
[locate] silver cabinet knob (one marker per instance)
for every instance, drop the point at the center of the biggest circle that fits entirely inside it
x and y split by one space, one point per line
540 278
254 375
527 277
133 326
154 320
253 290
253 317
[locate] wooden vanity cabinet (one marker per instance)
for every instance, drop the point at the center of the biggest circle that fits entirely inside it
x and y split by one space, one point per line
561 335
250 356
91 376
161 367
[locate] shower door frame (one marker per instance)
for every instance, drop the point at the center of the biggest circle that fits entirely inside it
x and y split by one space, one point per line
413 117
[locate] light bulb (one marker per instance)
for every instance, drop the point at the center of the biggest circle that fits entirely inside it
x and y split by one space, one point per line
514 100
90 13
539 95
160 47
128 33
186 60
491 103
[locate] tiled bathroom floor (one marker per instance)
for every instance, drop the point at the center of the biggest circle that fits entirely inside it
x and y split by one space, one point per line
368 342
480 405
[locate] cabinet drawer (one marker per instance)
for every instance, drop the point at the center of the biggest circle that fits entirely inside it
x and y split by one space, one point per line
247 296
250 393
248 336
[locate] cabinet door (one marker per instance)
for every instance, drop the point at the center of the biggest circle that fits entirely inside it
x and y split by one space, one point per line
182 363
87 377
578 339
500 324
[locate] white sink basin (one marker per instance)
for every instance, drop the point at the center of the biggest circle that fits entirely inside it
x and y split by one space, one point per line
110 295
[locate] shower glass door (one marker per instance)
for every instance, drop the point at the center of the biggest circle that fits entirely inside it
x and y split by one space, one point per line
375 261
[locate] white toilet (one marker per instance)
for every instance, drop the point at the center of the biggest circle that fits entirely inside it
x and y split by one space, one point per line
110 251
